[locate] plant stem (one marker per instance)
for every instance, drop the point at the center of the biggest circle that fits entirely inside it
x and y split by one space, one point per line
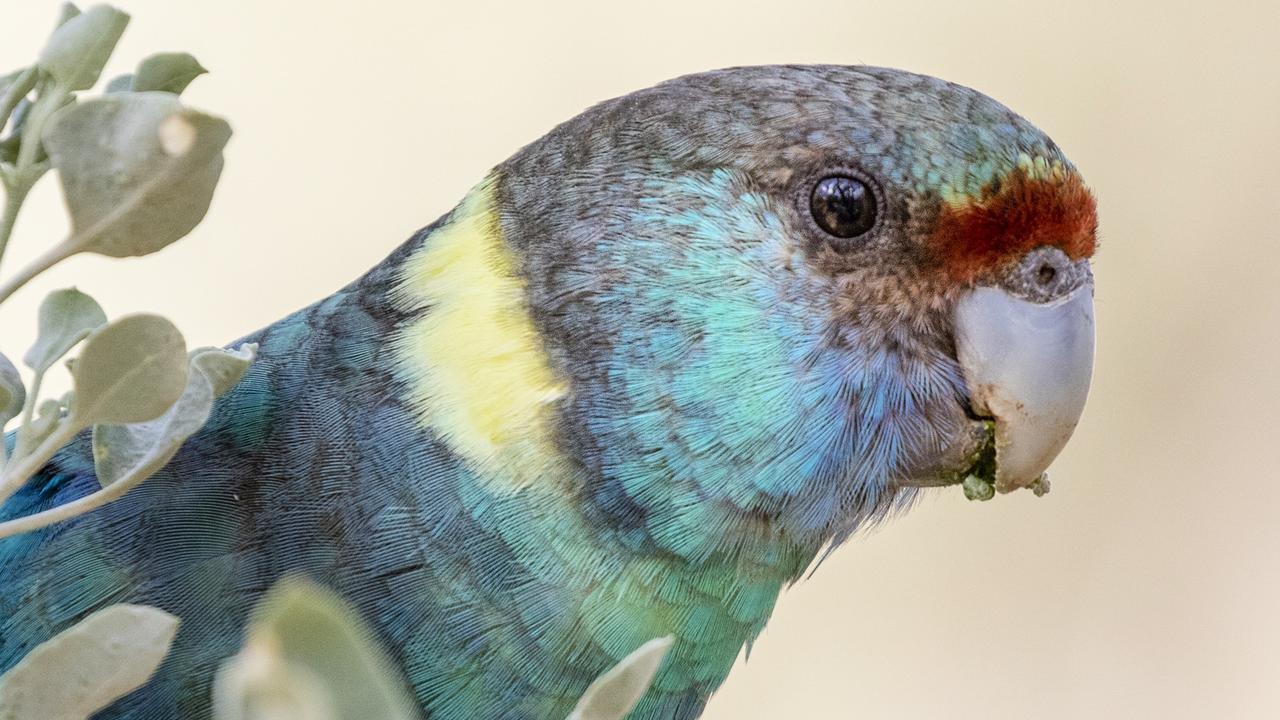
70 509
15 195
80 506
14 94
49 98
47 259
24 174
28 411
17 473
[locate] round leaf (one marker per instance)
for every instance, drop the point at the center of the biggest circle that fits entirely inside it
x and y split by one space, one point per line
129 371
12 392
120 83
223 368
616 692
260 684
65 13
137 170
310 631
80 47
65 318
143 448
167 72
139 450
88 666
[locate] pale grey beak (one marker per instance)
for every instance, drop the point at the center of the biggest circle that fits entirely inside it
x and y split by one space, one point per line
1028 365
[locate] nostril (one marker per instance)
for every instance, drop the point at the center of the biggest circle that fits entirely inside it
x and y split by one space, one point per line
1044 274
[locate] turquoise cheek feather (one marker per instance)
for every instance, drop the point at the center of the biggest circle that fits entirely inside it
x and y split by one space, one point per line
756 429
715 318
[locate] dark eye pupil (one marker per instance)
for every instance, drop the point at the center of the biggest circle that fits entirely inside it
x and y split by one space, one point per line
843 206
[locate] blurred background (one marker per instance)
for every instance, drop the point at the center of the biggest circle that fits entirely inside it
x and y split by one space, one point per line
1147 584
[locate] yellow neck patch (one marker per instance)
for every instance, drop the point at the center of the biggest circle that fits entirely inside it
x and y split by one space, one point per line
478 375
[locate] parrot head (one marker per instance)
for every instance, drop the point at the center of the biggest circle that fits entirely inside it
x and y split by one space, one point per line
782 298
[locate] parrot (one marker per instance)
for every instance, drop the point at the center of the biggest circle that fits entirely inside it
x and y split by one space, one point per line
645 374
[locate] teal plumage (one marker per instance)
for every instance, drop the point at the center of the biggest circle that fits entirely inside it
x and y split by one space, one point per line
722 400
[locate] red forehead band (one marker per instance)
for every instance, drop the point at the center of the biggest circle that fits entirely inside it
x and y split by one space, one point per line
1014 215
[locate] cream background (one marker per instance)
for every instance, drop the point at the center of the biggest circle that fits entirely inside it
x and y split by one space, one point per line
1146 585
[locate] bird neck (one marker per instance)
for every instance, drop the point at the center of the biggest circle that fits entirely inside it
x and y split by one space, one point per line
455 408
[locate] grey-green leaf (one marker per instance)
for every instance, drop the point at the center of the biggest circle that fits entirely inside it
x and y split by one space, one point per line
616 692
88 666
6 81
259 684
65 13
44 423
80 47
137 170
223 368
120 83
167 72
309 632
65 318
18 83
12 392
129 371
138 450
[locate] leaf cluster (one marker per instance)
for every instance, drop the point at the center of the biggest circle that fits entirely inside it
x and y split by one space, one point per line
138 171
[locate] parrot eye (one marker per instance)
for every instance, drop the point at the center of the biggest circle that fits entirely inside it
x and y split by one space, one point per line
843 206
